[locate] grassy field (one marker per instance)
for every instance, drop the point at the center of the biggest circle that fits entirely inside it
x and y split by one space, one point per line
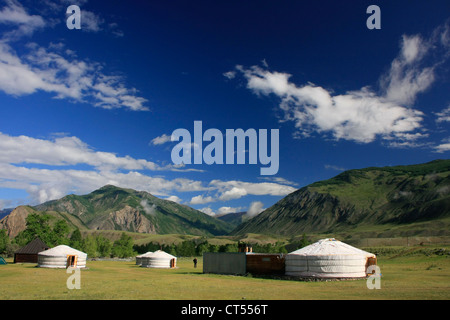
414 273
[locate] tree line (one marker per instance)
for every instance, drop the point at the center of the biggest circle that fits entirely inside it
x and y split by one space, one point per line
38 226
196 247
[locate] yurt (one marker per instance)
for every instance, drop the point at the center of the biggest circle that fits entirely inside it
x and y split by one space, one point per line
329 258
159 259
62 257
139 258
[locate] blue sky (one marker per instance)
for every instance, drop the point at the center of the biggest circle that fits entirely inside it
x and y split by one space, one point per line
83 108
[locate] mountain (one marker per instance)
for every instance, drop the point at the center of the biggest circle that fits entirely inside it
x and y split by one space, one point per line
114 208
5 212
235 218
388 201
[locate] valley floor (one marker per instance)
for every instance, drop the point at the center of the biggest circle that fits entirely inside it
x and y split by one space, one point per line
418 276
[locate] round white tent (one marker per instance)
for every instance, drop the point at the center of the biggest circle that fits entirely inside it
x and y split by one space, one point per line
139 258
159 259
62 257
329 258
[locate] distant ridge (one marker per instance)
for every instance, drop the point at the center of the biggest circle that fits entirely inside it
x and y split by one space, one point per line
5 212
399 200
114 208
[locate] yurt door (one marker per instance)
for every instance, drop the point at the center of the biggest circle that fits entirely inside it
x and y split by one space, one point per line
72 260
172 263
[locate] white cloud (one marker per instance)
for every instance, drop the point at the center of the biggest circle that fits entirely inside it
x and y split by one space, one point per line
358 115
233 193
361 115
443 147
230 75
55 71
174 199
161 139
15 15
406 78
90 21
444 115
5 204
201 200
59 152
149 209
279 180
334 167
255 208
48 184
208 211
51 72
233 189
227 210
64 151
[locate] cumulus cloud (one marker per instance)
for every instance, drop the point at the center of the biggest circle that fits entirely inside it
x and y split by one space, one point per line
228 210
56 71
221 211
406 78
22 157
255 208
14 15
161 139
64 151
361 115
235 189
149 209
233 193
51 71
174 199
90 21
201 200
48 184
358 115
279 180
442 147
444 115
208 211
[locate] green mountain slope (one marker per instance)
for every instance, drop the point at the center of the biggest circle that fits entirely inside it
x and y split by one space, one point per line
113 208
235 218
379 199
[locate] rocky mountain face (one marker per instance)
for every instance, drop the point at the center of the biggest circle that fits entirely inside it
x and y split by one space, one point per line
15 221
371 198
113 208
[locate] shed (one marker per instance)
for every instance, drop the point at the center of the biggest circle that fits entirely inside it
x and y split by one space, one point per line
329 258
29 253
225 263
159 259
241 263
265 263
62 257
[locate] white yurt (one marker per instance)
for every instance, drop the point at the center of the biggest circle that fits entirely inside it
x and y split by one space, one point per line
329 258
139 257
62 257
159 259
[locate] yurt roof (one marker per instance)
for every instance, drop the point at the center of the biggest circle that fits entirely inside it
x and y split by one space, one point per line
35 246
145 254
62 250
161 254
330 246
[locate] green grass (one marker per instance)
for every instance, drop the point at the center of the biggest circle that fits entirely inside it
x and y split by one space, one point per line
406 274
